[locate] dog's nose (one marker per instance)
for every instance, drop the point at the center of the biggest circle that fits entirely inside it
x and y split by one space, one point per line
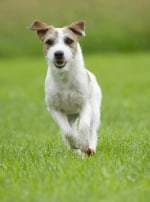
59 54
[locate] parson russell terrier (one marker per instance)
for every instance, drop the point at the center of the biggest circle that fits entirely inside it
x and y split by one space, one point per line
72 94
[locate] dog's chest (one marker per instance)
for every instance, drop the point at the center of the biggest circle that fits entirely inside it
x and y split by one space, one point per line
68 99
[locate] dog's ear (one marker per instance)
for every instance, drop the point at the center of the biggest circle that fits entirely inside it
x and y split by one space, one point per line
40 27
78 28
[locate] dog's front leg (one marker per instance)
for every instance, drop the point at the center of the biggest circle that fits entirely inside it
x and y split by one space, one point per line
84 126
62 120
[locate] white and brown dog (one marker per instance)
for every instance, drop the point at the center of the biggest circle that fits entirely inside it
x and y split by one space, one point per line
73 96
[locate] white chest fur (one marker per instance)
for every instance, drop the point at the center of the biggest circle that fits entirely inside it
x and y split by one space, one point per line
66 95
68 100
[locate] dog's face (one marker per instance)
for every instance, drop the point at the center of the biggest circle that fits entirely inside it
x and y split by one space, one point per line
59 44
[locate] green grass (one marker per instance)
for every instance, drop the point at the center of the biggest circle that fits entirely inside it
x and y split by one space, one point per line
35 165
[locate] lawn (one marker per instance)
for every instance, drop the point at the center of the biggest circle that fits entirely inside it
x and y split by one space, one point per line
35 165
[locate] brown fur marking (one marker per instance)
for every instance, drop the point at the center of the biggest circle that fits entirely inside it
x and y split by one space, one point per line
90 151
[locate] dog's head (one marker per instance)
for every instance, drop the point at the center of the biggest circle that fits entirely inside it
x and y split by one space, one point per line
60 44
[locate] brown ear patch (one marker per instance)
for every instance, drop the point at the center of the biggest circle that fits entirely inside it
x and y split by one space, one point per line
40 27
41 33
78 28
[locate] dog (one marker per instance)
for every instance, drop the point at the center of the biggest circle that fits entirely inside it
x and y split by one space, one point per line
72 94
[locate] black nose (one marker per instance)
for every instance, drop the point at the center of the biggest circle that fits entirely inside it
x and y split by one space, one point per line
59 54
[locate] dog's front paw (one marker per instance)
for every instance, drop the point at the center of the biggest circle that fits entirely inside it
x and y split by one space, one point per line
90 151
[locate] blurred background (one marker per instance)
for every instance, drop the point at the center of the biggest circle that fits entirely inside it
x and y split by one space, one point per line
111 25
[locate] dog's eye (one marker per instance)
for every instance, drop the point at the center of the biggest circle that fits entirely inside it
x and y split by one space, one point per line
49 42
69 41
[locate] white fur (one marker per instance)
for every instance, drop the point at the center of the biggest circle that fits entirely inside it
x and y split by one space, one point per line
73 97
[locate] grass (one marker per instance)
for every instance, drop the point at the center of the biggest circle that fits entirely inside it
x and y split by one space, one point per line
35 165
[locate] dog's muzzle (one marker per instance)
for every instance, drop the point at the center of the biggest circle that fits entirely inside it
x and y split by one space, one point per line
59 59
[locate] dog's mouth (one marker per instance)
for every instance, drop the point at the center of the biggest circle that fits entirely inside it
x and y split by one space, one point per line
60 63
